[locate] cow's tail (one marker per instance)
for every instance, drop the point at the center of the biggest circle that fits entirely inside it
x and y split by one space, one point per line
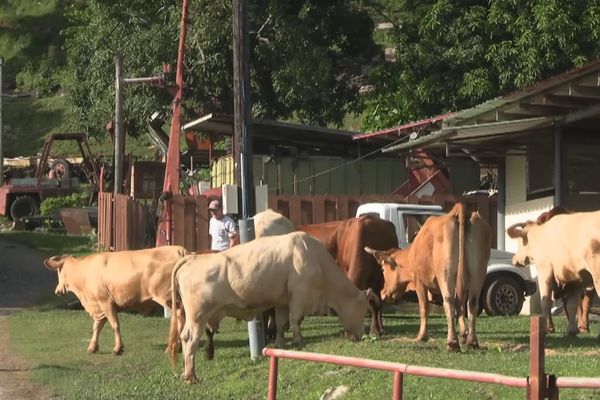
174 340
458 212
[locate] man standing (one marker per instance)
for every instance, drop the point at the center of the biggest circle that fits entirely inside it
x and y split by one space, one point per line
222 230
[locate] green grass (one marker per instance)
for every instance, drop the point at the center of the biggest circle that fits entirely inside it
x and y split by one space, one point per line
55 342
52 244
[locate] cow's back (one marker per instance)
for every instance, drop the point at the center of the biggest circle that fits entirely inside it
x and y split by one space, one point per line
133 278
271 223
478 242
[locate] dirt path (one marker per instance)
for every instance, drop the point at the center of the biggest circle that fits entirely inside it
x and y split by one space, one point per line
23 280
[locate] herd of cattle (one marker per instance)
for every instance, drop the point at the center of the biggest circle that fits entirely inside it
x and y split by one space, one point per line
346 266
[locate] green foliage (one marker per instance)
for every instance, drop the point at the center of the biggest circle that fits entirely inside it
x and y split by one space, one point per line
304 55
50 204
61 364
454 54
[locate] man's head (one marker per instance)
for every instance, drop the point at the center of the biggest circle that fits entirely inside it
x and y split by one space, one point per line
215 209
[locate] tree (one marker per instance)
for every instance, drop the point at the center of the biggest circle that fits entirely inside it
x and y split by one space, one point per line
454 54
305 54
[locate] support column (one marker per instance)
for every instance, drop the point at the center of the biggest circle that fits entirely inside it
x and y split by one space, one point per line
559 190
501 205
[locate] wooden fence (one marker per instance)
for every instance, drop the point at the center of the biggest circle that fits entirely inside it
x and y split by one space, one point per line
123 222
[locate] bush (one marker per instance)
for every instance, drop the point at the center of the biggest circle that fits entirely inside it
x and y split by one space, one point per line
52 204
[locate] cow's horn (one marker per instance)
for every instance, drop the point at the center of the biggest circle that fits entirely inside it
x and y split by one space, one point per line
369 250
54 263
516 230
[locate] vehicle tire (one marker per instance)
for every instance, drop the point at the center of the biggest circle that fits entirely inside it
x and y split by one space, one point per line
62 168
504 296
24 206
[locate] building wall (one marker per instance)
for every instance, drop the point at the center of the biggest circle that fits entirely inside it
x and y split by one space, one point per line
318 175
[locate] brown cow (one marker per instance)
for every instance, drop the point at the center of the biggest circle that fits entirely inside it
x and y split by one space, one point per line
564 248
106 283
449 256
346 240
292 273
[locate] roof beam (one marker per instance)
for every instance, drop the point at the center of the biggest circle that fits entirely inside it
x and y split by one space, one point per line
578 115
574 90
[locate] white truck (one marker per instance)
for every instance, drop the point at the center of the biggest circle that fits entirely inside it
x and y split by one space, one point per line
505 285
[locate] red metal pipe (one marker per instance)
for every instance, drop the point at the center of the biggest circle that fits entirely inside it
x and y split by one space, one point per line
397 390
580 383
473 376
273 368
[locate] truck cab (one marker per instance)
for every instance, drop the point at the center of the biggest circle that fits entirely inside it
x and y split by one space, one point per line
505 286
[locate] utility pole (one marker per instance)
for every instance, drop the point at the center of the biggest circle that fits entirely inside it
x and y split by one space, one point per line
1 129
118 128
242 146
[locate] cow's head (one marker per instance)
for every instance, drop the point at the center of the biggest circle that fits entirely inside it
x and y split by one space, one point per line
520 231
395 274
352 315
56 263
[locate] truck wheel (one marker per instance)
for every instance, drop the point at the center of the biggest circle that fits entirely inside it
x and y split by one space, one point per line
62 168
504 296
23 206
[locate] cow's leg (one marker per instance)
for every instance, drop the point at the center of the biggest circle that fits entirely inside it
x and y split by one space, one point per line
545 283
113 320
270 324
282 318
209 346
190 338
584 310
461 312
296 311
423 311
449 310
97 327
473 307
572 296
550 324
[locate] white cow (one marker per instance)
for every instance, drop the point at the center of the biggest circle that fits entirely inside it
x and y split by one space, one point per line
292 273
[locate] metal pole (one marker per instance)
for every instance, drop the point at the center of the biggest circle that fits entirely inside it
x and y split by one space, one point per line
1 129
273 367
242 137
397 390
537 376
118 129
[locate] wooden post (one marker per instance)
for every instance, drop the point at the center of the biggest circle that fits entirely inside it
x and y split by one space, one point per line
537 377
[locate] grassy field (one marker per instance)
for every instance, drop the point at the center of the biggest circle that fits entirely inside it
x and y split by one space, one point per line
54 341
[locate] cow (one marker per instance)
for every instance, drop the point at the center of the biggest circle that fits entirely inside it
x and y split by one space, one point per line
271 223
292 273
346 240
106 283
565 250
585 304
448 256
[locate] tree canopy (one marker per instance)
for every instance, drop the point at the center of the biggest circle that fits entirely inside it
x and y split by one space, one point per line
304 56
454 54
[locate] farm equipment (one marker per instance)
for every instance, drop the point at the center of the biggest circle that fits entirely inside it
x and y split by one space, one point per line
54 177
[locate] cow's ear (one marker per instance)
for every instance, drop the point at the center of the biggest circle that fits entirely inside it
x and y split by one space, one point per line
54 263
371 297
517 230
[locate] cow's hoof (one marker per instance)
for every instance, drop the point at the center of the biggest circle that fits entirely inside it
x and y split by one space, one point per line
209 355
119 351
453 346
550 329
473 344
92 350
583 329
279 344
191 380
572 333
299 344
422 338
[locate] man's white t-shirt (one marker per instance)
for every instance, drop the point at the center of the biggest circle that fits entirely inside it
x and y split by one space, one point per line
221 230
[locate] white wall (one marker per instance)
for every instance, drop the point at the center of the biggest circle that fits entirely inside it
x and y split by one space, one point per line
518 209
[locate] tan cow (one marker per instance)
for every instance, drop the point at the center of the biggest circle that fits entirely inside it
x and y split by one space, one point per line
449 256
566 252
271 223
106 283
292 273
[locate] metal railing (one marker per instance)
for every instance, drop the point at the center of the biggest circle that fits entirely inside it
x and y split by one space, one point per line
538 384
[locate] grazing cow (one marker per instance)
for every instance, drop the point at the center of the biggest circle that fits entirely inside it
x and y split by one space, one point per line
346 241
449 256
106 283
565 249
292 273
